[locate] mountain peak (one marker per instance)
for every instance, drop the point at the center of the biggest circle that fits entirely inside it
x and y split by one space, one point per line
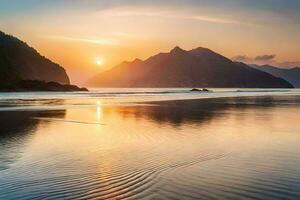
200 48
137 60
177 49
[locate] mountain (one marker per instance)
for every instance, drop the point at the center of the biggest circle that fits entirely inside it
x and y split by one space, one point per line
199 67
292 75
19 62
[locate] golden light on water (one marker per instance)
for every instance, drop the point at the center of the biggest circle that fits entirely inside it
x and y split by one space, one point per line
98 111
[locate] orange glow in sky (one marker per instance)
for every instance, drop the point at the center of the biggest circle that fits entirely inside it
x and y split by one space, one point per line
89 38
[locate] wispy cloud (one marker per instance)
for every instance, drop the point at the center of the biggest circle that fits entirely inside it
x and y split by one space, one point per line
126 35
99 41
242 58
265 57
133 12
258 59
214 20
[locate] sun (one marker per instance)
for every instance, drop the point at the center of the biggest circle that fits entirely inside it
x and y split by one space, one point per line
99 61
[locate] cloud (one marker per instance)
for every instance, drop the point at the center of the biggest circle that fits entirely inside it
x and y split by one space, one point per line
99 41
258 59
265 57
241 58
125 35
214 20
168 14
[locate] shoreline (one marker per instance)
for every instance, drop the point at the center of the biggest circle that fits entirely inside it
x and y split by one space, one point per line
54 107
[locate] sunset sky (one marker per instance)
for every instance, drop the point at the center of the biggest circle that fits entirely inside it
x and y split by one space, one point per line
89 36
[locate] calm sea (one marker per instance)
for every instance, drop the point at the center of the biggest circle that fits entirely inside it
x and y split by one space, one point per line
150 144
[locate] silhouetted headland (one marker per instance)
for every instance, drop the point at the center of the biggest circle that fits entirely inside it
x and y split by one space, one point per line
22 68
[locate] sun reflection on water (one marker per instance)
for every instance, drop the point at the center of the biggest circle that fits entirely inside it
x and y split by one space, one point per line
99 111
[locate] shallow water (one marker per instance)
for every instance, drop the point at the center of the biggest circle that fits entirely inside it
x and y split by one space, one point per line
244 146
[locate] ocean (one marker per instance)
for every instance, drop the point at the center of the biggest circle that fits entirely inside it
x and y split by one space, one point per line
166 143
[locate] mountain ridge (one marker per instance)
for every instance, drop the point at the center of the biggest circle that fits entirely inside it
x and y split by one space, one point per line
292 75
199 67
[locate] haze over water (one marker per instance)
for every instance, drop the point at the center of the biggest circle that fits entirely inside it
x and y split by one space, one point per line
158 144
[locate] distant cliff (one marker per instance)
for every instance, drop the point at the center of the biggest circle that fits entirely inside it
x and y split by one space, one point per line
19 62
199 67
292 75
